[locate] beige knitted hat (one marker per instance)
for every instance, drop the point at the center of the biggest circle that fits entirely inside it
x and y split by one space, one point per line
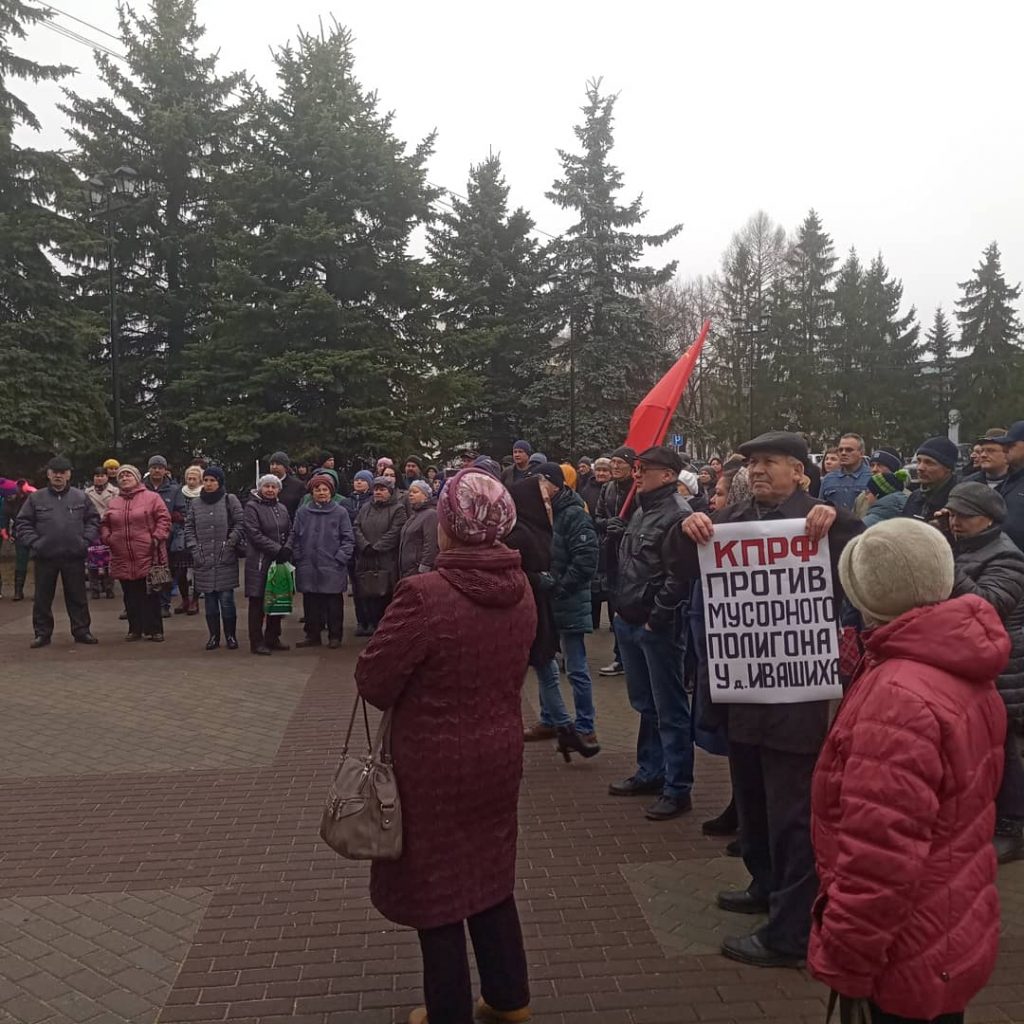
895 566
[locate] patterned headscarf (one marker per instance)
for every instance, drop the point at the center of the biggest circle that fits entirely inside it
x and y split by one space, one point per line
474 508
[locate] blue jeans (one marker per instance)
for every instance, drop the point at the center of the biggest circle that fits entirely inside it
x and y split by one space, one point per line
575 651
221 604
654 681
552 708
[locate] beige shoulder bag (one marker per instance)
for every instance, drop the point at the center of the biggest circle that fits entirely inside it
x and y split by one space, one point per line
363 816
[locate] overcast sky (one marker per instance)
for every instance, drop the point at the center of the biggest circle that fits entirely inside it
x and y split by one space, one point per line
901 123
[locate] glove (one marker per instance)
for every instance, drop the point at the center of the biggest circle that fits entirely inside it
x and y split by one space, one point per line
616 526
284 555
545 581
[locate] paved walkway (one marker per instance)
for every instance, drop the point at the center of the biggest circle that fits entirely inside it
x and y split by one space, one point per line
159 857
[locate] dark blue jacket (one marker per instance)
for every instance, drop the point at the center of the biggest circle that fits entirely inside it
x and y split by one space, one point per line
573 562
1012 490
322 543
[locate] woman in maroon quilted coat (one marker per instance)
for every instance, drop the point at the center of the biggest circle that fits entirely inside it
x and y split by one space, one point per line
906 925
449 656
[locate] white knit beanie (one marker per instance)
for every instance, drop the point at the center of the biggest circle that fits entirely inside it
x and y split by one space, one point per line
895 566
689 480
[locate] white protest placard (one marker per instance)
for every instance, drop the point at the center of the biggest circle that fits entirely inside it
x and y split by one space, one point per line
770 614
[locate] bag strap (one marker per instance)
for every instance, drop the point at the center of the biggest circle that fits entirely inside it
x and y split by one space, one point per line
382 744
351 725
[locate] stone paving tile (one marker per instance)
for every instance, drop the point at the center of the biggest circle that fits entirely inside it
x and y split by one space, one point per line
64 974
81 718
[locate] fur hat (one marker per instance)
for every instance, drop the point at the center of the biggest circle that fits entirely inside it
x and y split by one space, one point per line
385 481
896 566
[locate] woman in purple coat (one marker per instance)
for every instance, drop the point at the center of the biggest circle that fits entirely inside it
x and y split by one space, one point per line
449 656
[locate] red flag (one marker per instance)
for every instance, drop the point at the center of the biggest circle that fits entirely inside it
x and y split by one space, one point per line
652 417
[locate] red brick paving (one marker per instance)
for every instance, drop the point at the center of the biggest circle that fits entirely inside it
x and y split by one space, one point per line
289 934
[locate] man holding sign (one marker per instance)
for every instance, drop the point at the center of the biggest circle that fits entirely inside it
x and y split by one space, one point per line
771 593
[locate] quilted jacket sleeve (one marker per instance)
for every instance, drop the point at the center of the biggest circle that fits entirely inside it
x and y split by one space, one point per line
888 805
399 646
1001 583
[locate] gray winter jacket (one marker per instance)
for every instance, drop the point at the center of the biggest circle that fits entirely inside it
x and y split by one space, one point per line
267 525
418 547
322 544
992 566
58 524
213 533
378 531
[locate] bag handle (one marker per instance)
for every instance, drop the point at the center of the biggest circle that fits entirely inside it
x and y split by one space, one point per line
382 742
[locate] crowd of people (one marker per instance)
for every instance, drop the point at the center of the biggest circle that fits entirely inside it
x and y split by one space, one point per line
871 836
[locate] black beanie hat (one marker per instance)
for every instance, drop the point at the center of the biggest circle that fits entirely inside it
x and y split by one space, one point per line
941 449
624 453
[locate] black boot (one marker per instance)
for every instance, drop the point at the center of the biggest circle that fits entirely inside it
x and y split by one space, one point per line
570 740
230 628
213 624
726 824
19 586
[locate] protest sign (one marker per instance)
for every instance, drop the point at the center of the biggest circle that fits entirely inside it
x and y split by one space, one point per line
770 614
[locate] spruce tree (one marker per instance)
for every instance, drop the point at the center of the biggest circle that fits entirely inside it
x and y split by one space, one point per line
601 283
804 350
171 118
323 335
890 408
992 368
496 319
51 399
940 376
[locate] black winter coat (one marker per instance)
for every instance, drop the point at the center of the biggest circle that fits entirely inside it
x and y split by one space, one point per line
573 562
293 490
925 505
992 566
532 538
58 525
267 526
793 728
609 505
648 588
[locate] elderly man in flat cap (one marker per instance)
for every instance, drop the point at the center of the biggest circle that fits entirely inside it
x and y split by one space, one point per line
773 747
989 564
57 524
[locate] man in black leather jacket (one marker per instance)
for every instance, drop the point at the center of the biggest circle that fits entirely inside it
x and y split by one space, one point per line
650 629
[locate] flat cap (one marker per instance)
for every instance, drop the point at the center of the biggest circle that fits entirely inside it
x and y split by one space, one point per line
781 442
660 455
977 499
59 464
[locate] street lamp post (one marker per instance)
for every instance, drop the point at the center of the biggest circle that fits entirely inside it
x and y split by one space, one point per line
108 194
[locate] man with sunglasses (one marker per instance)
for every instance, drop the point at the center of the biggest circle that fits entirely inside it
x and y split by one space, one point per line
842 486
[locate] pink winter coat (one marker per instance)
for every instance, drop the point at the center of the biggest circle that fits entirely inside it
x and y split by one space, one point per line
903 810
450 655
129 528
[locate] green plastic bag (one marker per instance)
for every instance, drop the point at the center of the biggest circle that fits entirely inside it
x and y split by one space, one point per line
277 598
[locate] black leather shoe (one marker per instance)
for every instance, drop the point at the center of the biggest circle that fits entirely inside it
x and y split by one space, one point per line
132 637
667 807
310 643
278 646
213 643
86 638
738 901
156 638
40 641
637 787
262 649
749 949
232 643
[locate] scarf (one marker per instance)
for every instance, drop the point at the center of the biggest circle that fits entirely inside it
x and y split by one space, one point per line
191 492
212 499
